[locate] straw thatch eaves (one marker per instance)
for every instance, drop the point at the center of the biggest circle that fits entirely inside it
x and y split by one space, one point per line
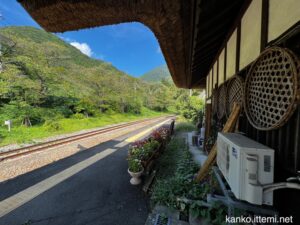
172 21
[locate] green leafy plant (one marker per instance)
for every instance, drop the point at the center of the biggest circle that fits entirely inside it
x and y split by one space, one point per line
180 183
143 150
185 127
149 148
78 116
175 181
134 165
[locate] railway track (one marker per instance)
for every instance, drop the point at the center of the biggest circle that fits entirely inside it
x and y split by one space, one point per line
62 141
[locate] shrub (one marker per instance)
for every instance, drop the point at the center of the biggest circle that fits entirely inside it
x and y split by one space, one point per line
78 116
161 135
63 111
52 125
175 181
142 150
180 184
185 127
18 111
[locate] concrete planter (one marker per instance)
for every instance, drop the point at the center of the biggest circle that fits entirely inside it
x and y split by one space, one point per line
135 180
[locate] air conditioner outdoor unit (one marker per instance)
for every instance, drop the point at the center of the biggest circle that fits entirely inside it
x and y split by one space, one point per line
247 166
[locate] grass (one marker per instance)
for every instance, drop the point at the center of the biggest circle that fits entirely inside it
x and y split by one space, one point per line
23 134
169 160
175 175
184 125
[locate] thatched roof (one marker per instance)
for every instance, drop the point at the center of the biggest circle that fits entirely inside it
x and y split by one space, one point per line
172 21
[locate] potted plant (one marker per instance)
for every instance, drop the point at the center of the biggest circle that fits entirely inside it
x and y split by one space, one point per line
135 169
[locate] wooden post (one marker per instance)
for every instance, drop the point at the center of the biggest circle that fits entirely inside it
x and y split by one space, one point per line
229 127
208 113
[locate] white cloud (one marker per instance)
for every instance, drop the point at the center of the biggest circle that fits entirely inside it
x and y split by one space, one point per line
158 50
83 47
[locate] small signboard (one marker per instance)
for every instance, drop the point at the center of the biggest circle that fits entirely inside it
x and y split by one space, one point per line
8 123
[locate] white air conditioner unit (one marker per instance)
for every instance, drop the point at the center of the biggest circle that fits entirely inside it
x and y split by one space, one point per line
247 166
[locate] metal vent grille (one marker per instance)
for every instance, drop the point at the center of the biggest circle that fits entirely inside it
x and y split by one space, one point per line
267 163
271 88
162 220
252 176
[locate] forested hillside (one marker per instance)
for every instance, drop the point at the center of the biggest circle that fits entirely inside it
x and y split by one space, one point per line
157 74
41 70
45 80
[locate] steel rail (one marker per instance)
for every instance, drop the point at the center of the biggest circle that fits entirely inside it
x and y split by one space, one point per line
50 144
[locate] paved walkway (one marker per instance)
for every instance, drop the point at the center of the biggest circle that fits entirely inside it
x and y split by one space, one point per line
90 187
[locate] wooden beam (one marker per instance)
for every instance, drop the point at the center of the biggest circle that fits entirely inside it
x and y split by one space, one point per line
296 142
225 61
238 47
211 159
208 83
242 11
208 115
264 25
218 73
212 75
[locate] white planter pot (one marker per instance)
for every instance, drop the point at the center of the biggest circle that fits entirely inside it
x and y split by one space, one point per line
135 180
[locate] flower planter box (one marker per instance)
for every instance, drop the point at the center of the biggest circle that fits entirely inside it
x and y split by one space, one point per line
146 151
154 155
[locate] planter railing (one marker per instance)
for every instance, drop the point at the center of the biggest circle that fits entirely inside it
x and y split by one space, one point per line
154 155
162 137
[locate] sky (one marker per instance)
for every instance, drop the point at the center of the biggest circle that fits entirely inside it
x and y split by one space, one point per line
131 47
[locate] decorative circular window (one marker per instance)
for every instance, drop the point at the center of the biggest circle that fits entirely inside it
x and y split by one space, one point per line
271 88
221 108
235 92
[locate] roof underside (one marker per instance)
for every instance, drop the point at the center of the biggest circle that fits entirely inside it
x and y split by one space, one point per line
190 32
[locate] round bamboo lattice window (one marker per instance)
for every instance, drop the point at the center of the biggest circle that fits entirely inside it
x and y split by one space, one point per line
215 101
235 92
271 88
221 107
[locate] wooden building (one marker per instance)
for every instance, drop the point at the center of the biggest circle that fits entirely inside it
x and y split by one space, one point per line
206 43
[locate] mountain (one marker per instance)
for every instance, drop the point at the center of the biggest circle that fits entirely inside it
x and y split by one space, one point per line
39 55
157 74
44 76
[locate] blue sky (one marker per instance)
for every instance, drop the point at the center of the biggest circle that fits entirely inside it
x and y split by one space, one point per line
131 47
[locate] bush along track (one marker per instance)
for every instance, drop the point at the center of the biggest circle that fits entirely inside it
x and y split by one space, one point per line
175 186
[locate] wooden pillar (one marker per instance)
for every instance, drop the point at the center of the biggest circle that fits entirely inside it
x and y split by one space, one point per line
211 159
208 114
264 24
238 48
